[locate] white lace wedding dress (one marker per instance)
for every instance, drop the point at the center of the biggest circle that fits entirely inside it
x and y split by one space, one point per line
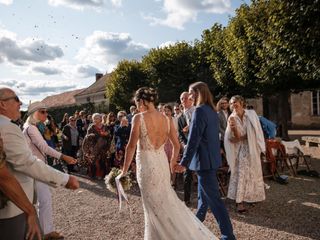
166 216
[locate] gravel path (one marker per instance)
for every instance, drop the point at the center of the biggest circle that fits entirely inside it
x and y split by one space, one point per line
290 212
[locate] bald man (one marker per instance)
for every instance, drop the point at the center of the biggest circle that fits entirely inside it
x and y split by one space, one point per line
24 166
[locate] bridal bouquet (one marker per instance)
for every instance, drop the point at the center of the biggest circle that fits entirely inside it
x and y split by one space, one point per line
125 181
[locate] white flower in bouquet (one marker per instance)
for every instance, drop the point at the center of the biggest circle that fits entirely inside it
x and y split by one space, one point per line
125 181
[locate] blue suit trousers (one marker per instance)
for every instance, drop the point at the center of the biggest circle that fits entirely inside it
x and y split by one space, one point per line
209 196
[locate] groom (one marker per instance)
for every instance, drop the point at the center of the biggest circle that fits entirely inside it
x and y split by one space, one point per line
202 155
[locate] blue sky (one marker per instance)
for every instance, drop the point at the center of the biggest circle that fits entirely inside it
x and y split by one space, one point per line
51 46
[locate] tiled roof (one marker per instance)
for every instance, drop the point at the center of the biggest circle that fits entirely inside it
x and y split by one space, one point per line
97 86
62 99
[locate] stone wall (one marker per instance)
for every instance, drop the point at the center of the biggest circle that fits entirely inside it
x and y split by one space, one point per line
301 112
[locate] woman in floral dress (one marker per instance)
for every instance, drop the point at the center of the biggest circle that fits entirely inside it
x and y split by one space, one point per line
244 143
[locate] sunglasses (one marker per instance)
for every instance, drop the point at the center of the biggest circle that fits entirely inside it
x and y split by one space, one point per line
43 111
16 98
72 120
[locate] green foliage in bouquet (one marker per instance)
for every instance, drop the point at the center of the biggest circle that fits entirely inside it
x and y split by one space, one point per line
110 180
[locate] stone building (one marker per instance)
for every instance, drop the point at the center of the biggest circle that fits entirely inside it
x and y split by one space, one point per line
95 93
304 112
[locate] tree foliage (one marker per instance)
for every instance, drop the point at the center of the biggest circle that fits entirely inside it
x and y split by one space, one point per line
171 69
124 80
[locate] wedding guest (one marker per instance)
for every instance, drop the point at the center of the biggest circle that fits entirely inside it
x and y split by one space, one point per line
177 111
95 147
223 114
110 125
183 129
168 147
23 165
133 111
65 120
70 141
37 113
82 124
202 154
10 189
243 143
111 122
160 107
50 135
122 134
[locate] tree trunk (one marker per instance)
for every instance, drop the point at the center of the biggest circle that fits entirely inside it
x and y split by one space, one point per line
277 109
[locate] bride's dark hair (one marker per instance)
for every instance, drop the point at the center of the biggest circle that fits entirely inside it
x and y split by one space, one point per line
146 94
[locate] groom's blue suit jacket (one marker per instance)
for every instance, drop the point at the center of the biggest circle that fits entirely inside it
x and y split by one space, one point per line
203 147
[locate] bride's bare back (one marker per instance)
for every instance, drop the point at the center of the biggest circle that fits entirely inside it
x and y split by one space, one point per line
157 126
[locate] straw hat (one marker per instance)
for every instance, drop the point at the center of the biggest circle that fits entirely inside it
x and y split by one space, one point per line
35 106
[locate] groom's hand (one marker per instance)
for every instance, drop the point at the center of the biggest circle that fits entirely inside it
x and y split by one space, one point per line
180 169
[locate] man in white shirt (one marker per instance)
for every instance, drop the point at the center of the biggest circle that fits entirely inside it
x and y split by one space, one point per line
24 166
183 129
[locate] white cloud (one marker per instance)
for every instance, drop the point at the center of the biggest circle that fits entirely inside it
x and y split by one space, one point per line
36 89
179 12
46 70
26 51
116 3
167 44
78 4
6 2
106 49
86 71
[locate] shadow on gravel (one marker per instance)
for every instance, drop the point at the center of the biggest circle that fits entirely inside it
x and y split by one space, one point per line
99 187
292 208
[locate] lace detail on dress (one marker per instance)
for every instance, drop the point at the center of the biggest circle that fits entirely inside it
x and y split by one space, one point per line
166 216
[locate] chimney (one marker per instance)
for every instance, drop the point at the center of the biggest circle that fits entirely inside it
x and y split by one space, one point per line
98 76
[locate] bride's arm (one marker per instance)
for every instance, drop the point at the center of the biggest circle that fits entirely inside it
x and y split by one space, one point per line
132 144
176 145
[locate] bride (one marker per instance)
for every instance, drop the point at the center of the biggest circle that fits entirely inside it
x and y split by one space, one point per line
166 216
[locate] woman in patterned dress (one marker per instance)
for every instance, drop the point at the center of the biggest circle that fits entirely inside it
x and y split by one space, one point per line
244 143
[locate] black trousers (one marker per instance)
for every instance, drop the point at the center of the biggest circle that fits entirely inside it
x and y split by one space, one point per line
15 228
187 184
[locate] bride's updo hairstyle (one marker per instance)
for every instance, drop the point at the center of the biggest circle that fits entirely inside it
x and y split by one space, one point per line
146 94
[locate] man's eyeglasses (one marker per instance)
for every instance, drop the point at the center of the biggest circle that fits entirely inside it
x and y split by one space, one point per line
16 98
72 120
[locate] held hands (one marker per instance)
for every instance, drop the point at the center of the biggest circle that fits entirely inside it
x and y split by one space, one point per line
176 168
72 183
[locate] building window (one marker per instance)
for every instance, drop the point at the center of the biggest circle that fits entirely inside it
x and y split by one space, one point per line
315 103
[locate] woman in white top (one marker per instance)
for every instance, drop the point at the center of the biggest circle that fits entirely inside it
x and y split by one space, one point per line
38 114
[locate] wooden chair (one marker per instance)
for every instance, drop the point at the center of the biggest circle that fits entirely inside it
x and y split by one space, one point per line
223 175
277 156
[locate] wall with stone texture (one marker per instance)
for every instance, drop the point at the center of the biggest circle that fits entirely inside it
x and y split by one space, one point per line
301 113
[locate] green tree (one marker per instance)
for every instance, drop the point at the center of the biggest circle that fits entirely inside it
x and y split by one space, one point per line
124 81
171 69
